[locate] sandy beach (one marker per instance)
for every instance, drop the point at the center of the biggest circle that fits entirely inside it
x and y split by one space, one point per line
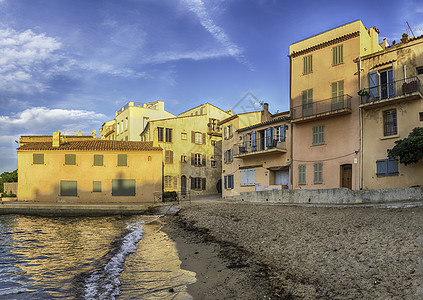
254 251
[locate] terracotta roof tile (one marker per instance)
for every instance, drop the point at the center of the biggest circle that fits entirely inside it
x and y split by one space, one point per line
91 145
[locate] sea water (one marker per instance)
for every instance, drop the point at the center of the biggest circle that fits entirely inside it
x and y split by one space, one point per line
116 257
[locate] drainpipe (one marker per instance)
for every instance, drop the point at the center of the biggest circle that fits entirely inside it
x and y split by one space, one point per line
361 128
292 124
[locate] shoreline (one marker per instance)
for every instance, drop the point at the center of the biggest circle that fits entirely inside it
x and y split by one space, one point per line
299 252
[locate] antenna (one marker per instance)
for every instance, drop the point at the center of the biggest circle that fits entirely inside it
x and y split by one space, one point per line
410 28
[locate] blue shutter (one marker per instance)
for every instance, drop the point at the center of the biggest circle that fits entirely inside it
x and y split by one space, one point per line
282 133
269 137
390 75
253 141
392 166
374 93
226 181
382 167
231 155
226 157
244 140
232 181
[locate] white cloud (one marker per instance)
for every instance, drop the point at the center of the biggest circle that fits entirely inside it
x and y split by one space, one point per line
194 55
41 119
198 7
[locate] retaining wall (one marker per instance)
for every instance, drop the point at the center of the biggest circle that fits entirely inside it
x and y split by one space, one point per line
332 196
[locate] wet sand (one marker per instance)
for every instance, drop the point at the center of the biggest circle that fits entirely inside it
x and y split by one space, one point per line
253 251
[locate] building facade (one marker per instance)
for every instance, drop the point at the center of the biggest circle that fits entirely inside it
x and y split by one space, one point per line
325 106
132 119
88 171
392 105
108 130
191 145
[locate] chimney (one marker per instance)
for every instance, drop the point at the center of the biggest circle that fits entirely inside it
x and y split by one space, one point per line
56 139
265 115
94 133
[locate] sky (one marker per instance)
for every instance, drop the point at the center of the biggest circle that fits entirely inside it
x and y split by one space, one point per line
70 64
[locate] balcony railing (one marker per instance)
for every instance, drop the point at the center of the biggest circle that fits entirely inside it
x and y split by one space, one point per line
214 129
400 88
261 146
328 106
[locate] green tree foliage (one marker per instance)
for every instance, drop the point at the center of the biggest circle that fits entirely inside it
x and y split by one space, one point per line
410 149
8 177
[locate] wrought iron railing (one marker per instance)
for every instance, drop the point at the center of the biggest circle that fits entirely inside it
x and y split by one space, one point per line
261 144
324 106
389 90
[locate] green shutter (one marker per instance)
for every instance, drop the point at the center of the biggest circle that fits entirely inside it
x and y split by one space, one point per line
122 160
301 174
98 159
96 186
70 159
318 173
38 158
68 188
123 187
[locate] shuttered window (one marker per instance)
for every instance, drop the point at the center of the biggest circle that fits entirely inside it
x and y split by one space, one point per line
168 182
70 159
96 186
38 158
198 183
98 160
318 135
307 64
307 102
318 173
229 182
387 167
301 174
247 177
337 101
230 131
122 160
68 188
168 157
123 187
390 122
169 132
337 55
160 133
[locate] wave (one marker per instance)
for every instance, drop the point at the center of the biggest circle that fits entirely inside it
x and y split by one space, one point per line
104 284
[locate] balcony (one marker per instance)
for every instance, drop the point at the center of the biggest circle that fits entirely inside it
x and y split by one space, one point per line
214 129
336 106
389 93
260 147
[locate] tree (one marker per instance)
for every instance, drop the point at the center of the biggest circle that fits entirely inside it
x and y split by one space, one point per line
8 177
410 149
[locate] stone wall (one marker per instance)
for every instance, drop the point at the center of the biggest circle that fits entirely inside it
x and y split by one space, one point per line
11 187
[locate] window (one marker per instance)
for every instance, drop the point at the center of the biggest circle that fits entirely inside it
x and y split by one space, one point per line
198 138
337 55
229 182
198 183
98 160
390 122
168 157
197 159
126 124
38 159
68 188
183 136
183 158
386 167
213 143
307 64
213 163
225 132
122 160
169 135
123 187
318 173
230 131
160 133
70 159
337 95
421 116
247 177
307 102
229 156
301 174
318 135
96 186
126 138
419 70
168 182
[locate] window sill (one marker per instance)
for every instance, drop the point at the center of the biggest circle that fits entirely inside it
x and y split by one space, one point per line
395 136
387 175
340 64
316 145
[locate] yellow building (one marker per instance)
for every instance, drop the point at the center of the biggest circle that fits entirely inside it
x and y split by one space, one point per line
392 105
131 119
86 170
108 130
259 159
191 145
325 106
231 177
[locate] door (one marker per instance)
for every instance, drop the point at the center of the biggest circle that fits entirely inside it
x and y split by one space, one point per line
346 176
183 185
337 95
386 84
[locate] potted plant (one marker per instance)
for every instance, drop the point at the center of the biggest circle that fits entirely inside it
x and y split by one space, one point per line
365 95
404 38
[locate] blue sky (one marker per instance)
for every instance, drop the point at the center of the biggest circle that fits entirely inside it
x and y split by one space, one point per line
69 64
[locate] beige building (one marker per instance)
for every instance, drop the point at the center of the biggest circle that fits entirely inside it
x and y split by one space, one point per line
108 130
391 105
259 158
191 145
132 119
325 106
88 170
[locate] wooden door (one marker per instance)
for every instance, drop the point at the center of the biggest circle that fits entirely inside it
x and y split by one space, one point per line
346 176
183 185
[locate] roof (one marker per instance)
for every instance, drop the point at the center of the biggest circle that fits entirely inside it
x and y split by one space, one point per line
236 116
264 123
207 103
94 145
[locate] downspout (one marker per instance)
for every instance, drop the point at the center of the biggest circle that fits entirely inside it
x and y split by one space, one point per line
361 128
291 177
